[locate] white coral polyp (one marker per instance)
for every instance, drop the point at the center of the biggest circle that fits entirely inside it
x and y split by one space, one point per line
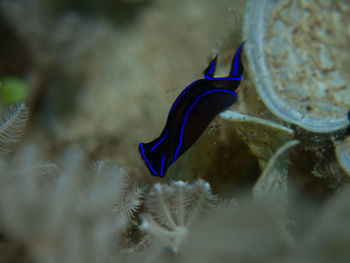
171 210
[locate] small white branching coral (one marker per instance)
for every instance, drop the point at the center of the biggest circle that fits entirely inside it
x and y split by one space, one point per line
62 213
130 200
128 205
171 210
12 123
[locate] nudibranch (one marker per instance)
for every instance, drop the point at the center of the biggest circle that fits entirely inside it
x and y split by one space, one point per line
190 114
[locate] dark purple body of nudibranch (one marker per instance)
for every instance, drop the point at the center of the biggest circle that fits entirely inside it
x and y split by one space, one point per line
190 114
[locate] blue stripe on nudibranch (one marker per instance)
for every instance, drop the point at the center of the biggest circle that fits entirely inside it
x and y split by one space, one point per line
236 59
160 141
181 94
184 91
209 72
238 78
188 112
145 158
205 98
161 172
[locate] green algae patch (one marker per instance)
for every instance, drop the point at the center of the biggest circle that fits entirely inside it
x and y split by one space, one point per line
13 90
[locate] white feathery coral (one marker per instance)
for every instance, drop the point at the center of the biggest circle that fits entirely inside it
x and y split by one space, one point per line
171 210
12 122
68 219
128 205
131 193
